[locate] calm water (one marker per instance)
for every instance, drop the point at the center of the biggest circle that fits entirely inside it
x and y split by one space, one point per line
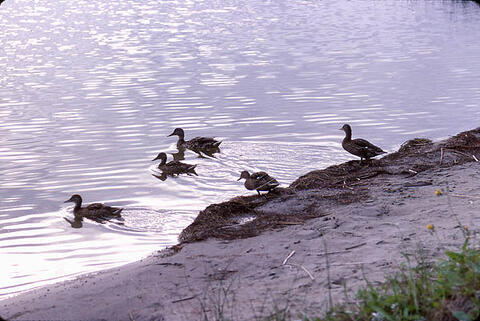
90 89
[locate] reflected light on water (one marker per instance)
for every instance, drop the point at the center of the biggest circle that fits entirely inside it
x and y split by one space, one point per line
89 90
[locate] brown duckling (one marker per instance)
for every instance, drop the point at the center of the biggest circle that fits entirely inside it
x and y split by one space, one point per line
196 144
93 211
359 147
259 181
174 167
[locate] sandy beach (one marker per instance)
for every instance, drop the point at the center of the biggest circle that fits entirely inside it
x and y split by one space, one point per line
296 250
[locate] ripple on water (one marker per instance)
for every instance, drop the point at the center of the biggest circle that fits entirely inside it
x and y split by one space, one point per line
46 240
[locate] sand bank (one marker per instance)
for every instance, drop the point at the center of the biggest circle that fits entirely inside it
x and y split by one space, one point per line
295 249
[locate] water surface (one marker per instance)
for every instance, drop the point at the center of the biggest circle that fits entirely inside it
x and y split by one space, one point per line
89 90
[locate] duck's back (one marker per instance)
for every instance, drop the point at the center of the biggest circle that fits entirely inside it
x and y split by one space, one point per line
99 210
362 148
202 142
262 181
177 167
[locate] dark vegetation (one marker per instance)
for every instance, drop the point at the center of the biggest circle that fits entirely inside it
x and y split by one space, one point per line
315 193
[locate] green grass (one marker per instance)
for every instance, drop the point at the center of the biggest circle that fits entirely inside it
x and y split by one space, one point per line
447 290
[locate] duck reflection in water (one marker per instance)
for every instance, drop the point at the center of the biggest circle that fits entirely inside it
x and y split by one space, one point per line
179 155
76 223
97 212
200 145
173 168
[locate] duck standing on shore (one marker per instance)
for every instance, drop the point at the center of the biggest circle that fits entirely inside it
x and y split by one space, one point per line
259 181
174 167
197 144
95 211
359 147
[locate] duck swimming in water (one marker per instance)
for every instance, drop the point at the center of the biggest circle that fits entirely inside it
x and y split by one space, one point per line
95 211
197 144
259 181
174 167
359 147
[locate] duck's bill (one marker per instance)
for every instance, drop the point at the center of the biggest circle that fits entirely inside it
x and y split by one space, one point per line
67 201
239 179
170 135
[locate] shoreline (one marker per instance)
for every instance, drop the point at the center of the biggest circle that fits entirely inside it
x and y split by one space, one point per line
294 250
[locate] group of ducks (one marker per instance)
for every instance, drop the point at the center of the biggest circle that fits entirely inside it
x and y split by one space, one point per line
259 181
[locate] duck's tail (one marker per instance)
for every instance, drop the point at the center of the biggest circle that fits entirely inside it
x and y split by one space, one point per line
191 170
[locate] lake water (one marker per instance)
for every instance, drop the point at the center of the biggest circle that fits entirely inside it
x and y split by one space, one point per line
89 90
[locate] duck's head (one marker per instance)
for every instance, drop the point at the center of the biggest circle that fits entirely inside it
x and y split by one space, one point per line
178 131
346 128
77 199
162 156
244 174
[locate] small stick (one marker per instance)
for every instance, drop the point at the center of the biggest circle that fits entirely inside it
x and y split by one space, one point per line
303 268
130 315
289 256
389 223
412 171
327 266
463 195
475 158
290 223
355 246
441 155
185 299
353 263
459 152
306 271
336 252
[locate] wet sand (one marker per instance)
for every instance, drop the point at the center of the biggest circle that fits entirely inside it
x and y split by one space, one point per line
295 249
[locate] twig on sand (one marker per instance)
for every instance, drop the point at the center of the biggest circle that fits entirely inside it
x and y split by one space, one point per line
306 271
352 263
355 246
290 223
336 252
289 256
327 265
464 195
303 268
461 153
185 299
130 315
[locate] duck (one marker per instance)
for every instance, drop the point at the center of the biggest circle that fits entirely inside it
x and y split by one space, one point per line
196 144
174 167
259 181
359 147
93 211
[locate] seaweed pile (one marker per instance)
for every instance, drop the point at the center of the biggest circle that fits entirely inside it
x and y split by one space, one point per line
312 195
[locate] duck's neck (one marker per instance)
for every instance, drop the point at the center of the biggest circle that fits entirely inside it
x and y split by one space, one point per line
164 160
78 206
181 140
348 135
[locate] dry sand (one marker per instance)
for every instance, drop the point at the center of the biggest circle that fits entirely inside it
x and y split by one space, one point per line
365 218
